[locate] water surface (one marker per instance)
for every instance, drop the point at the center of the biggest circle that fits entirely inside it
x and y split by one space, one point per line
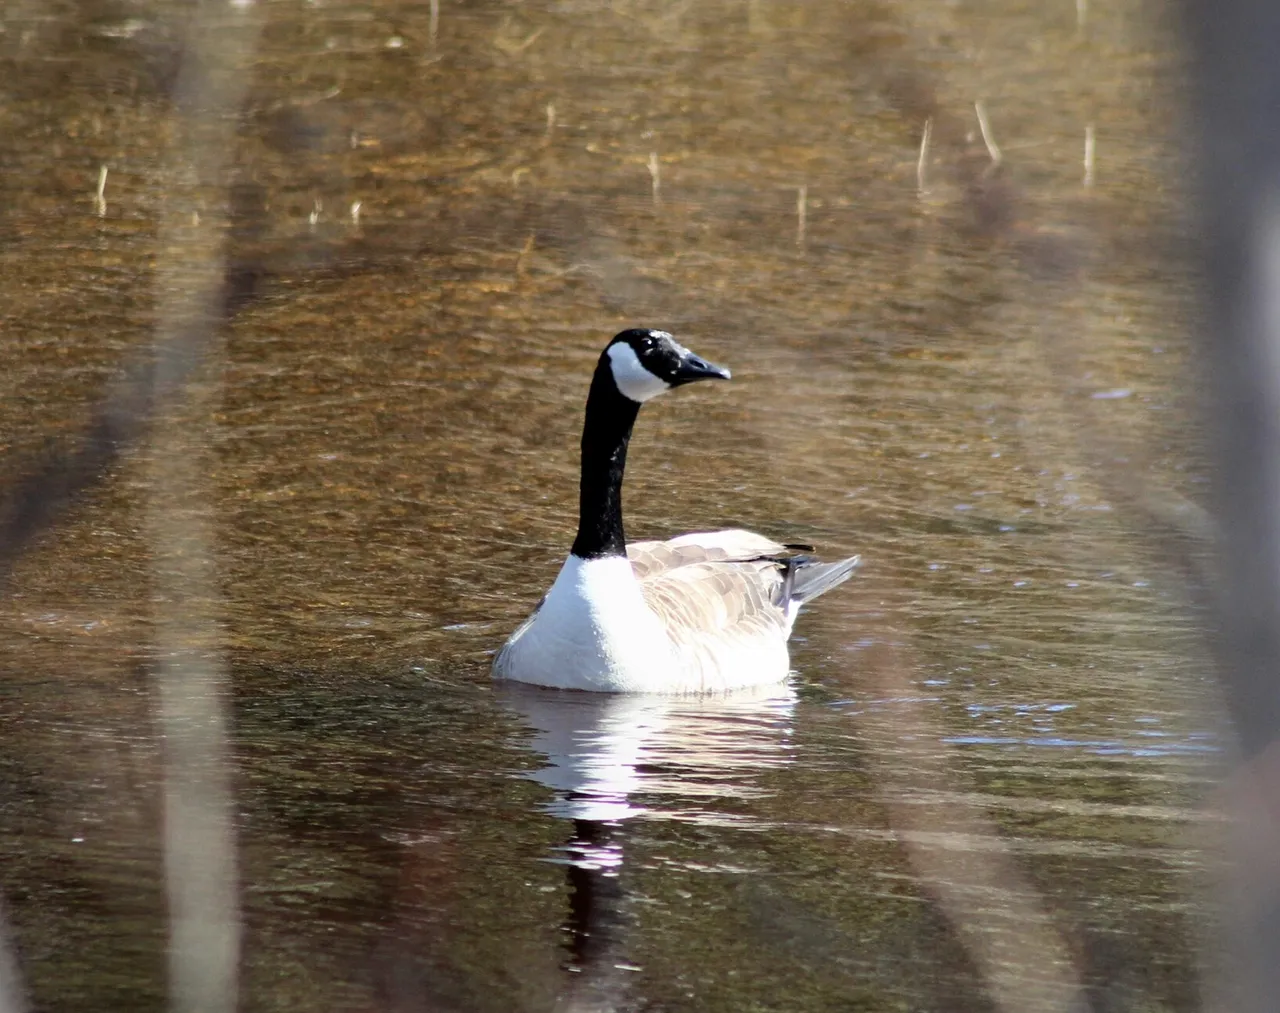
980 387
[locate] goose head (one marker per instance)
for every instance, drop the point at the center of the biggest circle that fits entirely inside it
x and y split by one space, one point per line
645 363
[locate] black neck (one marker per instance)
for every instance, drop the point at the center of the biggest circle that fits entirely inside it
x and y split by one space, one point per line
605 435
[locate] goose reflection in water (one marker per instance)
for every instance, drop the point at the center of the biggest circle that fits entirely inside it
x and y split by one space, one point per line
613 758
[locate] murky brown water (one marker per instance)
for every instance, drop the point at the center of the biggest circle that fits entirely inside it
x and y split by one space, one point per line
971 386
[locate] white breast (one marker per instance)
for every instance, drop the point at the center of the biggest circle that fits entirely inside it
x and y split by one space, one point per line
593 632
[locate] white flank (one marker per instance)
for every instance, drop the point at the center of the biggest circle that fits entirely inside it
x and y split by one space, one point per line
633 380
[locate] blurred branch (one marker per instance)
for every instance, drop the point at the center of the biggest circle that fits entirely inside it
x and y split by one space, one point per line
12 991
998 916
196 293
191 282
1178 529
36 502
1234 44
1239 89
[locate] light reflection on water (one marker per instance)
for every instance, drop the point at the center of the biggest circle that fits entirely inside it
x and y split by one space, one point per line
1102 747
606 753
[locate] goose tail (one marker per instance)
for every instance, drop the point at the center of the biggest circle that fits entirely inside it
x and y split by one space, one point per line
805 578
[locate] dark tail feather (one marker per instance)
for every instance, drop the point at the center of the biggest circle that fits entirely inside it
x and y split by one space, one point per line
808 579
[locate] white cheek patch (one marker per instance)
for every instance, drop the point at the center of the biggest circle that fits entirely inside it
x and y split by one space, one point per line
633 380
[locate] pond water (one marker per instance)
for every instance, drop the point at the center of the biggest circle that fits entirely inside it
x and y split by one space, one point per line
987 776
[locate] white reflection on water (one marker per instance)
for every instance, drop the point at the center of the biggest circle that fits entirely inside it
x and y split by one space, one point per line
614 757
682 754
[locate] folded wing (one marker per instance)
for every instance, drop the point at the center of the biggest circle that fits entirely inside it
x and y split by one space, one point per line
717 594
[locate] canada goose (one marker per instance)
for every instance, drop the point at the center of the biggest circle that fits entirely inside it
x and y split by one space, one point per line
701 613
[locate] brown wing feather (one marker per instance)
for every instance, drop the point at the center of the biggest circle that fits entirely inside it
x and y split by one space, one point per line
714 592
702 603
652 558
